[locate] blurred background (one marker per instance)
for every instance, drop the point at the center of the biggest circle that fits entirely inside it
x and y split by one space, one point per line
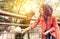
28 8
24 7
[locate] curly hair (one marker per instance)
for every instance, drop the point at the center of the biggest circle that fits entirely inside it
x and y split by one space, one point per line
47 9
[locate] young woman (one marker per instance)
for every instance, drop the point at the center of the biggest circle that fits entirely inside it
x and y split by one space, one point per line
48 23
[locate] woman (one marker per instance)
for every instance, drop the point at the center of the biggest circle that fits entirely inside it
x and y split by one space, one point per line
48 23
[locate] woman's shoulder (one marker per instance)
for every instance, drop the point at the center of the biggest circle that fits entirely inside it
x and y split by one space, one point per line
53 16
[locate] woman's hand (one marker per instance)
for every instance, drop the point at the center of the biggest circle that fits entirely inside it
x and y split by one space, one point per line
46 33
24 30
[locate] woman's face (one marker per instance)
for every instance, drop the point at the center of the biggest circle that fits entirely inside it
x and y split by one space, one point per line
44 12
41 11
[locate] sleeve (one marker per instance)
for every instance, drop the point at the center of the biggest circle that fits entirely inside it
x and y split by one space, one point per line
54 24
56 28
35 23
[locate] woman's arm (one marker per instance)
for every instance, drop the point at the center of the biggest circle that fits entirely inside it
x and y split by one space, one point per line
54 24
33 25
